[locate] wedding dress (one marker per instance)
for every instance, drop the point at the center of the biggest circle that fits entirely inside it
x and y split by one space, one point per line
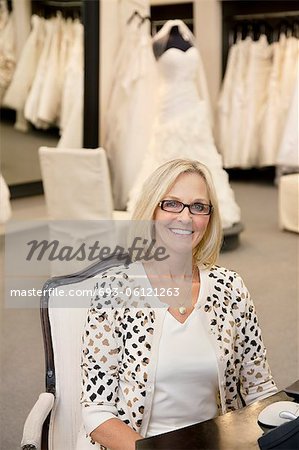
182 128
273 117
33 99
19 88
71 117
258 69
288 155
224 106
7 53
5 210
51 90
131 106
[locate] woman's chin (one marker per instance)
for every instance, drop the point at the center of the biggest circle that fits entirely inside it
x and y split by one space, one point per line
175 243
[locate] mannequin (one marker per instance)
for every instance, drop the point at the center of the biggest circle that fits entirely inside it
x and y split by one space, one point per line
182 36
173 40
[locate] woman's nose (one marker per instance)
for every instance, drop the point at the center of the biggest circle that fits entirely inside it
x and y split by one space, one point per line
185 214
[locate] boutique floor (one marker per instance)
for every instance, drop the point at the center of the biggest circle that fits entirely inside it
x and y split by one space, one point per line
267 259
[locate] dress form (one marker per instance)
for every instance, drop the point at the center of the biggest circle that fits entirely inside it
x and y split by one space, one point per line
173 40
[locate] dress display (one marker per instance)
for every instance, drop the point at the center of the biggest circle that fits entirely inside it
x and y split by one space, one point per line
71 117
72 65
32 101
131 106
254 100
282 81
7 49
48 80
258 68
272 117
230 126
182 128
288 155
19 88
5 210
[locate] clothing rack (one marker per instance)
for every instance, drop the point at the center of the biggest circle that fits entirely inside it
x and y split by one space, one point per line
47 8
256 17
270 24
89 13
63 4
264 16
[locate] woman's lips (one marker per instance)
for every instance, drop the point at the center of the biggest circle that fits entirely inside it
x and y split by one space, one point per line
180 231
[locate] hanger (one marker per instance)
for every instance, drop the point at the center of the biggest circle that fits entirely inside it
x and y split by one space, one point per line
285 27
296 29
249 30
134 14
239 33
144 19
231 37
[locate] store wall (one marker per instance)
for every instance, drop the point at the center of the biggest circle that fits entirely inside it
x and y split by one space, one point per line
109 42
207 18
208 32
22 17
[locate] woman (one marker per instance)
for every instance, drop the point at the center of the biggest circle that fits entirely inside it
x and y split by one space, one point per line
153 362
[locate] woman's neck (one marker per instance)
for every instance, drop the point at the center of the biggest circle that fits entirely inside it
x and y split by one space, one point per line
172 268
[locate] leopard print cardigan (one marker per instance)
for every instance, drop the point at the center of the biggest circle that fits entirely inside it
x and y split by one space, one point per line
121 342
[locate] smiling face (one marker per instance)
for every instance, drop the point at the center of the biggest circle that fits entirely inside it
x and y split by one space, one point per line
182 232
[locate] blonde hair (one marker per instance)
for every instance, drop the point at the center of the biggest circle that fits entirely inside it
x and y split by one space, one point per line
158 185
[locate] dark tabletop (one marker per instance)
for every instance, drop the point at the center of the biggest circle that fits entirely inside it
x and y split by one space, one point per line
237 430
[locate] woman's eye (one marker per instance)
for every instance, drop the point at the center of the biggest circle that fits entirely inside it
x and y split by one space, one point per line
171 204
198 206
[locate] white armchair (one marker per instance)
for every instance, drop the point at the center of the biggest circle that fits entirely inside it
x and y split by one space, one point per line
54 422
34 423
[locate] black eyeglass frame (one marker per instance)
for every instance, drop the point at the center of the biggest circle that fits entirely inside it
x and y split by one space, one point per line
184 205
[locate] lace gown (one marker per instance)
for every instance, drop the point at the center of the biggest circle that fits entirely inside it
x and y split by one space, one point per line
182 129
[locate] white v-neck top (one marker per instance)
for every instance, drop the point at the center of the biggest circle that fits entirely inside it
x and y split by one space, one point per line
186 382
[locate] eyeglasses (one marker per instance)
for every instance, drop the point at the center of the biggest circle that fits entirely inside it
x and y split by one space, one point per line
174 206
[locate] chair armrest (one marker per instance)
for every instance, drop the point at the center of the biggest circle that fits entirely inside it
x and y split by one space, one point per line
32 431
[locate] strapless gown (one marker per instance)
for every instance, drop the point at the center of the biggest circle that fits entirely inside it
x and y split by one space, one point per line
182 130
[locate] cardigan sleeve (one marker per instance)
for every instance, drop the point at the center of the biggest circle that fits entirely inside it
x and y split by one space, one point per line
99 367
256 381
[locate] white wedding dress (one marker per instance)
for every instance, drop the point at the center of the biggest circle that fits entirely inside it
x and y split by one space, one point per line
131 109
182 129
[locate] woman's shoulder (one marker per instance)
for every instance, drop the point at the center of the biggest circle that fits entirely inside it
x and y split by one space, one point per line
222 276
226 287
217 271
114 288
119 272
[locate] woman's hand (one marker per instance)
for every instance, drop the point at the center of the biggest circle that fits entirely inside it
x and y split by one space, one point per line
115 435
